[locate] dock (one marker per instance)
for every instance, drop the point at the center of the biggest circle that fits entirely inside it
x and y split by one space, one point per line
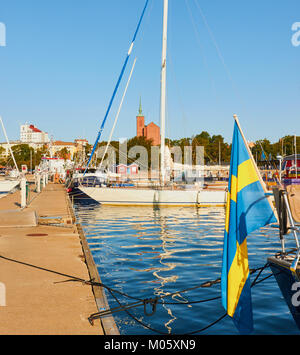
39 246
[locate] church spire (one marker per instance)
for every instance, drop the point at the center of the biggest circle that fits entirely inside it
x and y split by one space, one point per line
140 108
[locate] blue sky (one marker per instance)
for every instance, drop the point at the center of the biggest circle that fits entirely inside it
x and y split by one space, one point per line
62 59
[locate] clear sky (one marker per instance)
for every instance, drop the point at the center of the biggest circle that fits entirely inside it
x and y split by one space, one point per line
62 59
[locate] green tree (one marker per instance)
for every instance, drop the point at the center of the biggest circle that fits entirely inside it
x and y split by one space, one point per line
140 141
22 155
64 153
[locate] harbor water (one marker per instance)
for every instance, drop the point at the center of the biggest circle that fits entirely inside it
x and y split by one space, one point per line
148 252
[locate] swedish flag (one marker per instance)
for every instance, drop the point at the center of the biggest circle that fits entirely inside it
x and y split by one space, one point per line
247 209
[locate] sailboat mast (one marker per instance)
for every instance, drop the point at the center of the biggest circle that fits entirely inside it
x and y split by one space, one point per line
163 92
9 146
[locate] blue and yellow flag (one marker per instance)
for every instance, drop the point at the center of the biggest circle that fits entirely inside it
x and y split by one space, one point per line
247 210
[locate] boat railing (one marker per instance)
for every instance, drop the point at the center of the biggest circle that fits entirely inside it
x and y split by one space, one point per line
287 202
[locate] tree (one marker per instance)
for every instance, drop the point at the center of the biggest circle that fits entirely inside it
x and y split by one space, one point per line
140 141
64 153
21 154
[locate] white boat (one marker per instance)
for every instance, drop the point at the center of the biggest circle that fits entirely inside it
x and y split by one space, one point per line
126 196
163 195
8 185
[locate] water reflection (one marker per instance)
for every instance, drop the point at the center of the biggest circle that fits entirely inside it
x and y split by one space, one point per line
149 252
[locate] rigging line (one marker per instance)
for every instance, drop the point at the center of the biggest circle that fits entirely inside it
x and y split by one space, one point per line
213 38
9 146
211 324
177 87
116 87
157 298
204 59
137 320
154 301
208 326
72 278
141 36
117 115
258 275
164 333
265 278
272 164
142 32
205 152
184 117
111 291
92 283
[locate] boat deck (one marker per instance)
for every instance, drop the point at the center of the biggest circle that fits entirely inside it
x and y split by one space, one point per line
284 261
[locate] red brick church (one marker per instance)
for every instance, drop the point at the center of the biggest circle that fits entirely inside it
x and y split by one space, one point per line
151 131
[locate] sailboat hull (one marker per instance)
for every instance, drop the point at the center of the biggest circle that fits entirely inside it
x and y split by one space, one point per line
152 197
286 279
8 185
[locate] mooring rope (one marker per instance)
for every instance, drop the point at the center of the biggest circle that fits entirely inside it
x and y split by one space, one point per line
153 302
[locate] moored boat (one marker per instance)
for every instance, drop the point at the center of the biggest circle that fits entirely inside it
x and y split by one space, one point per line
164 194
291 170
133 196
7 185
285 264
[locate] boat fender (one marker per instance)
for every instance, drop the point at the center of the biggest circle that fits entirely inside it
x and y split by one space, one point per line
282 214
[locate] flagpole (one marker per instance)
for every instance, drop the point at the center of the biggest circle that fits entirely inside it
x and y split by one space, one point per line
296 163
250 154
255 166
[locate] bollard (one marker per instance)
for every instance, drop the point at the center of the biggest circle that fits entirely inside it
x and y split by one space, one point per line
27 192
23 192
38 188
44 180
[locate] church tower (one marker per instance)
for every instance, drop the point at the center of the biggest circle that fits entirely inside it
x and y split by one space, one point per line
151 131
140 122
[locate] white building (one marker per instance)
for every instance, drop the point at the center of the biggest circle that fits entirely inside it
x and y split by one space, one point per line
31 134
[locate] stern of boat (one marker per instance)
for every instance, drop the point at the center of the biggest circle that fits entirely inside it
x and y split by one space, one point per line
285 264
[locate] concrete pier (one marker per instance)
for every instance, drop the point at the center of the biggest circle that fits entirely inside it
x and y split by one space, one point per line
35 301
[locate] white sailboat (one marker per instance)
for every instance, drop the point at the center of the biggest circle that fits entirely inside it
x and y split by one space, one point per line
8 184
161 195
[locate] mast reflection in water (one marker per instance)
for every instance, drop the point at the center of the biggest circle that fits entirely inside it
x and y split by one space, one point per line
148 252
